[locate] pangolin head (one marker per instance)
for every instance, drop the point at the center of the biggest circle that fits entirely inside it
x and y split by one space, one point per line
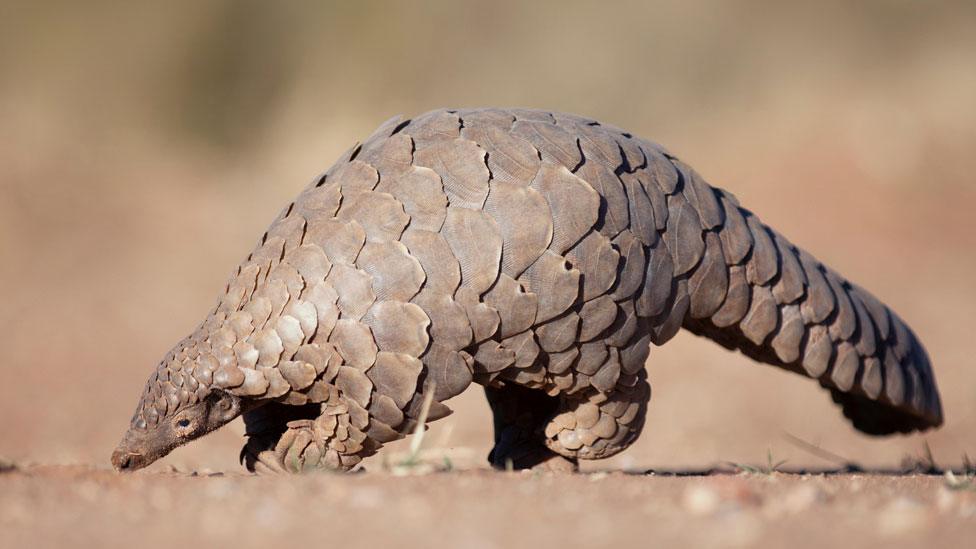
180 403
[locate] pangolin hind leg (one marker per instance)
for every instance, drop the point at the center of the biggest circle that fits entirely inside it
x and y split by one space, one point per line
295 439
597 425
520 415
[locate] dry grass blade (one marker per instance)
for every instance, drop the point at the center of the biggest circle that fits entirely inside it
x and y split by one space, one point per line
816 450
412 462
768 469
420 429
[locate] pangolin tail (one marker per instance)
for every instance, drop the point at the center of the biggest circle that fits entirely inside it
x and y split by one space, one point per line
783 307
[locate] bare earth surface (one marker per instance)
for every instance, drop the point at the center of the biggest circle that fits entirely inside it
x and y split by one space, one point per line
79 506
130 273
143 150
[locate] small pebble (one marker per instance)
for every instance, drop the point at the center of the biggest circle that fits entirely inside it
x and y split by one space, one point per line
802 498
599 476
700 500
7 465
901 516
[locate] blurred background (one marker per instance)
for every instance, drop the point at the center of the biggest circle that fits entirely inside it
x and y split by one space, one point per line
145 146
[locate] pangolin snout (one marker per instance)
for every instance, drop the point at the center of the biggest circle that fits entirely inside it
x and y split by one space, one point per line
125 459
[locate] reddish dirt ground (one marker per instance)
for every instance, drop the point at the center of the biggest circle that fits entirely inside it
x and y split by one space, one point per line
143 151
122 291
137 283
48 506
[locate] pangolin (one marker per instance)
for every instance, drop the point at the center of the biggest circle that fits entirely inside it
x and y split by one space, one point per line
537 254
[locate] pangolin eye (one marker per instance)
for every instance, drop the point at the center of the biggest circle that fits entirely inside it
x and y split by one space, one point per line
183 423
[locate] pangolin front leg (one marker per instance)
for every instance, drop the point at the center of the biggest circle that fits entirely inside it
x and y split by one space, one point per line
265 426
296 439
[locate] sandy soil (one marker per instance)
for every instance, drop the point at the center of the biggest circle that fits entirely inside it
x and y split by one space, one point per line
135 291
47 506
143 151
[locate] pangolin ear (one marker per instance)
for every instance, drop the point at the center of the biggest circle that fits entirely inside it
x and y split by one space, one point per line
225 406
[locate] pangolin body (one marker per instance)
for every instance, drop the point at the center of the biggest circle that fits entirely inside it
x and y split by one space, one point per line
534 253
